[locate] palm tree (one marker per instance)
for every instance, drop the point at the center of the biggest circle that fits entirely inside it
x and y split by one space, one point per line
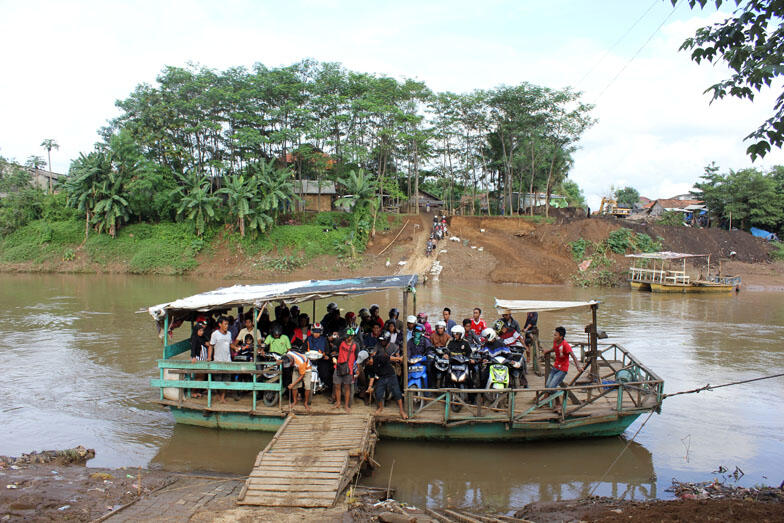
275 187
197 203
81 186
50 144
111 209
240 195
361 198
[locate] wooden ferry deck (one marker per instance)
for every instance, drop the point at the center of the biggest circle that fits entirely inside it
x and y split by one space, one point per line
434 412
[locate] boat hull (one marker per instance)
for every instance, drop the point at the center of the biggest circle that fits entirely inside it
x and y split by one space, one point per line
493 431
661 287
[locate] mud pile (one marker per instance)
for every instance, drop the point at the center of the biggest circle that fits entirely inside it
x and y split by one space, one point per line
526 252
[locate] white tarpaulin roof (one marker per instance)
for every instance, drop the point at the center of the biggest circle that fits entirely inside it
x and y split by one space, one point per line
289 292
539 306
665 255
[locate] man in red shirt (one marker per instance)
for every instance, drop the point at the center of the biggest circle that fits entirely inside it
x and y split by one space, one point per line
562 352
477 323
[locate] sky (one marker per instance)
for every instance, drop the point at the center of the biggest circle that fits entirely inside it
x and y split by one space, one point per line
65 63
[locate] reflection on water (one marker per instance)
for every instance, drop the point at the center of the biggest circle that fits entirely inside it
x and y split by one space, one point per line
77 360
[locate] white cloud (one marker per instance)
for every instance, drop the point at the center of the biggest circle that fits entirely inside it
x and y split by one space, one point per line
67 62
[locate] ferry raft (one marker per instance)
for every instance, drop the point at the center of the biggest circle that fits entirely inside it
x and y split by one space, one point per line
657 272
613 389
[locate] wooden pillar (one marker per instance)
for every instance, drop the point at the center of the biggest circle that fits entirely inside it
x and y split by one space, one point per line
594 345
165 334
405 341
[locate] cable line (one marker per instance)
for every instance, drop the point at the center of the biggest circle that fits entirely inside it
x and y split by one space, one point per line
639 50
613 46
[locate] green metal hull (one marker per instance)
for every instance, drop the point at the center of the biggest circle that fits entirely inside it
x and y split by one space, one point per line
498 431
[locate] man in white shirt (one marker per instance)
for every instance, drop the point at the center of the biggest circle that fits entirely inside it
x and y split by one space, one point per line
220 350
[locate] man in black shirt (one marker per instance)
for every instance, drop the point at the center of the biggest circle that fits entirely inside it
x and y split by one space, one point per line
383 377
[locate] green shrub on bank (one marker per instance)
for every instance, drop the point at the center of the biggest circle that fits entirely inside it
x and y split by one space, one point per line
671 218
778 251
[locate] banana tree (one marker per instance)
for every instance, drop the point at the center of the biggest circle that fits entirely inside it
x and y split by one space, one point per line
197 203
240 195
111 208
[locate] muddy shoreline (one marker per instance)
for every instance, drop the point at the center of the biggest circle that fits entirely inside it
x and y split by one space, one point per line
56 485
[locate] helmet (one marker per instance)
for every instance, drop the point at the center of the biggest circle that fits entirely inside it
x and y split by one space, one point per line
489 334
277 329
350 316
498 325
394 313
374 307
364 313
419 328
332 307
422 317
441 323
386 336
317 328
351 331
411 319
294 310
458 329
362 356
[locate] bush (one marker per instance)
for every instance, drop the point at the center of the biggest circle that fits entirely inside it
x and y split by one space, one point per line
644 243
778 251
671 218
578 248
620 240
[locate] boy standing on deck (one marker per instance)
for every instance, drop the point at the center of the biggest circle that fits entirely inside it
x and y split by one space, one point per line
561 366
220 350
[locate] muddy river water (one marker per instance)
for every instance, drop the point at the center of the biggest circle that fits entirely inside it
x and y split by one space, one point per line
77 358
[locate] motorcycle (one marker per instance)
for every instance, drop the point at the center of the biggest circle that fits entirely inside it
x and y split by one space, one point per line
497 370
316 384
417 376
440 358
517 364
274 373
459 378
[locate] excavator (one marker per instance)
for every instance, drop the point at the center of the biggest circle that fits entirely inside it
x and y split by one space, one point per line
610 206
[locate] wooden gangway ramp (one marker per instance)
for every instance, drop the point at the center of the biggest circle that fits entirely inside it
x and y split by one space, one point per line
310 460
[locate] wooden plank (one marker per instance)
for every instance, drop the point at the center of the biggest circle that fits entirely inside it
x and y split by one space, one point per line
293 488
271 474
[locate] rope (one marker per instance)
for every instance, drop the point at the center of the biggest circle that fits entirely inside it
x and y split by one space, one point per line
621 454
712 387
692 391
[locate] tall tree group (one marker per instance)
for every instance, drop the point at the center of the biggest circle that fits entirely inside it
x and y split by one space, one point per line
237 139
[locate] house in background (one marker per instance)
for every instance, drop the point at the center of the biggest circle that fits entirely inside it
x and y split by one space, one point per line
427 201
659 207
316 197
481 204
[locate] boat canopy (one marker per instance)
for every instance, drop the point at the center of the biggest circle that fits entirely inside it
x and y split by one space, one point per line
665 255
504 306
288 292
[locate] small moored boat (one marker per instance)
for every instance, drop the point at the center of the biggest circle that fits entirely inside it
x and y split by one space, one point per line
658 272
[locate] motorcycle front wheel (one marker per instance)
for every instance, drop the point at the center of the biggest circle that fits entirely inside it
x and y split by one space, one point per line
417 401
270 398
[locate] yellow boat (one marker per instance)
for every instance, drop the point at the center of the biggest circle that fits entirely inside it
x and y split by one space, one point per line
662 277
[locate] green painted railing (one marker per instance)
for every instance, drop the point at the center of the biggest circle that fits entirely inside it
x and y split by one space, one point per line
250 369
178 348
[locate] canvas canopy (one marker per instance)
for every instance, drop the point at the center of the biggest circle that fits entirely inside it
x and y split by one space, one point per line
289 292
665 255
515 306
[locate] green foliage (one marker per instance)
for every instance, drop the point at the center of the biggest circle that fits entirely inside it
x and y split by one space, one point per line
578 248
673 218
748 41
628 196
753 198
778 251
284 263
644 243
620 240
573 192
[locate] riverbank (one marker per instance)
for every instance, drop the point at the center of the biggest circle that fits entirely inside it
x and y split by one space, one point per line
524 250
55 489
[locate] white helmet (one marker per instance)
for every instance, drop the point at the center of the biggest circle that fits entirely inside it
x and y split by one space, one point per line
411 319
489 334
441 323
458 329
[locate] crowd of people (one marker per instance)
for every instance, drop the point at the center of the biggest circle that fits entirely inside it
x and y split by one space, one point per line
361 353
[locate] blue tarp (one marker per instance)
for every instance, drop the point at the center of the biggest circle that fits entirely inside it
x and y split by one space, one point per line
760 233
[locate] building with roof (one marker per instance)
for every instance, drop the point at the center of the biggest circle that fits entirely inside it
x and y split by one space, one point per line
316 196
662 205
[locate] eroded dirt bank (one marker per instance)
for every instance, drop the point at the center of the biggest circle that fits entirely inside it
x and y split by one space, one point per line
521 251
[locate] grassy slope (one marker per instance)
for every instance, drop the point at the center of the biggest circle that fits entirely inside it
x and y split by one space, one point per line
167 248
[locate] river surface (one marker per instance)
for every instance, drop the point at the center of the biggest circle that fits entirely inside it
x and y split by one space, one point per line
77 359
